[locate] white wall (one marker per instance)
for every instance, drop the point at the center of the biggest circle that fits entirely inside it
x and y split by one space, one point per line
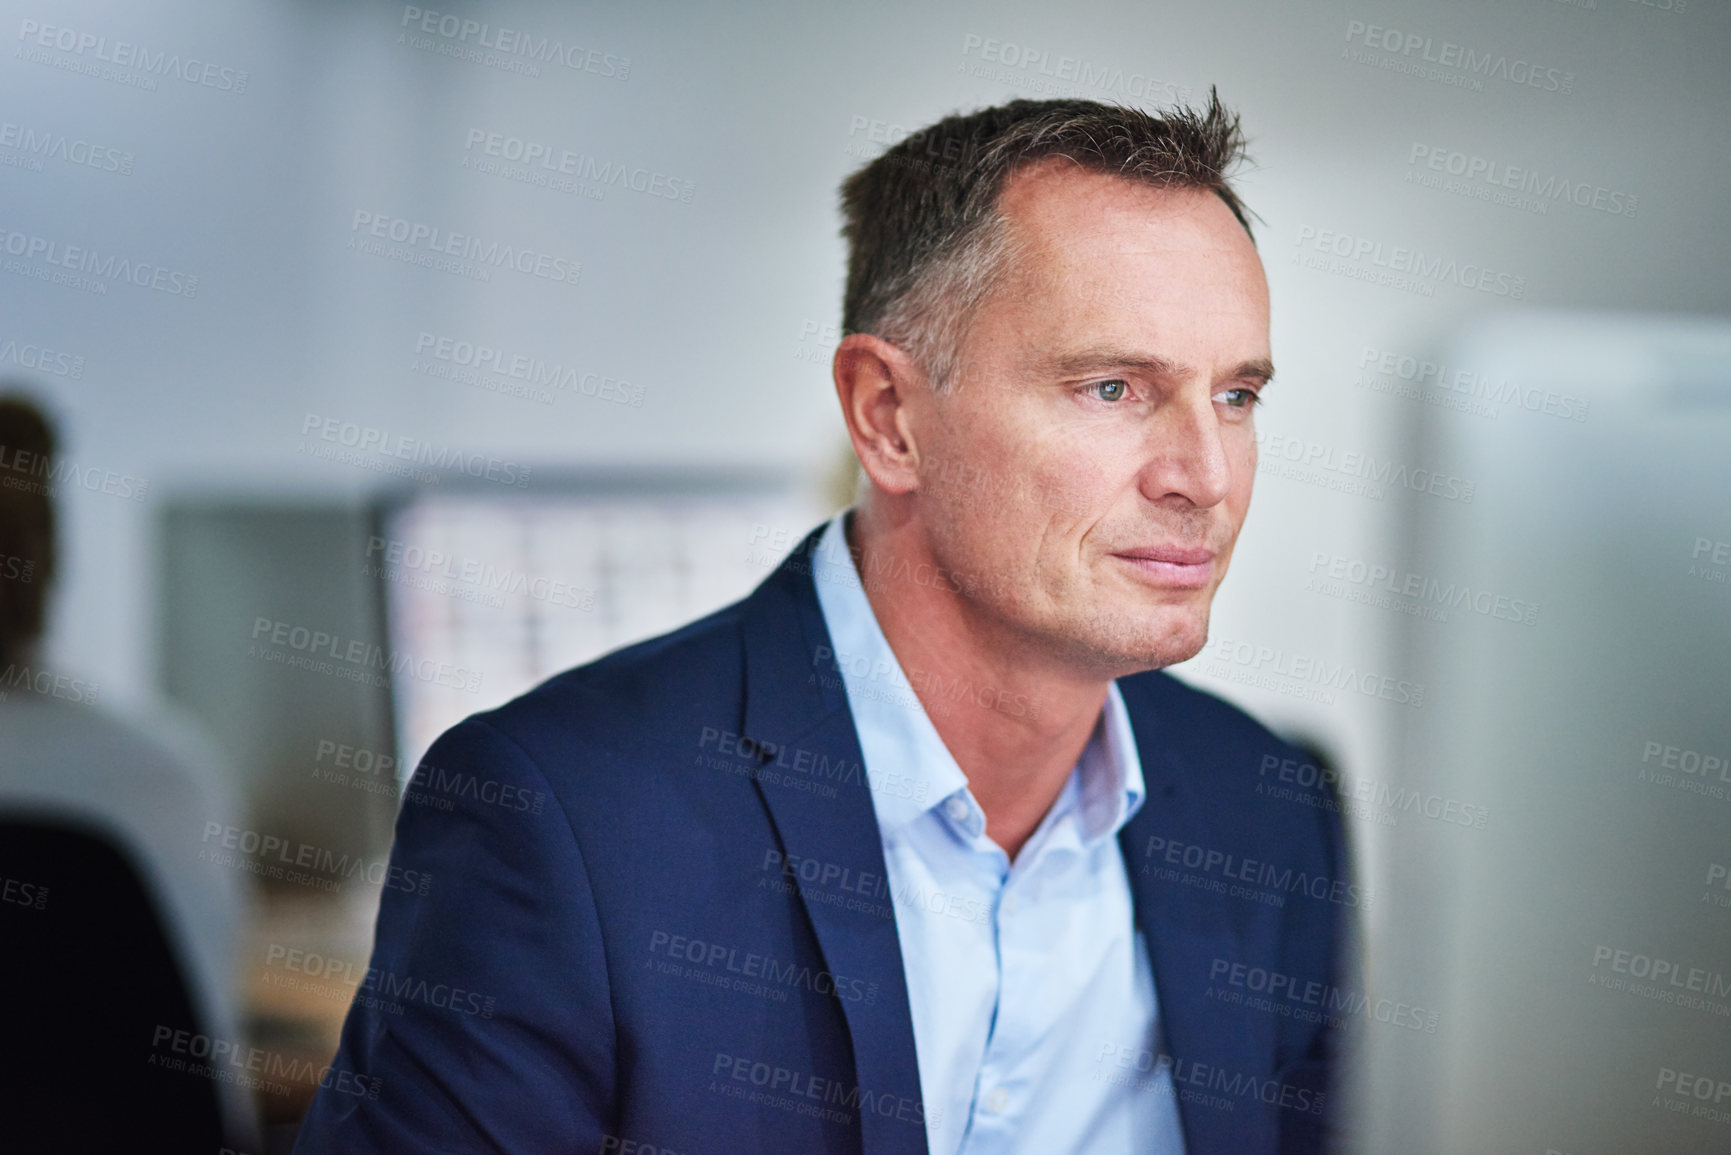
704 304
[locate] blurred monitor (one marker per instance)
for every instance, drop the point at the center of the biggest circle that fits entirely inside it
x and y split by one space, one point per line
1578 947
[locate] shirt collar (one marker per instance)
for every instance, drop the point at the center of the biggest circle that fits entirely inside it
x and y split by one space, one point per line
910 769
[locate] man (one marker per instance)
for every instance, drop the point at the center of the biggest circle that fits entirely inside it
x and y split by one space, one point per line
882 857
99 822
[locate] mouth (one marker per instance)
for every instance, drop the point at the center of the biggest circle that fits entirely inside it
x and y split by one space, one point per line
1170 566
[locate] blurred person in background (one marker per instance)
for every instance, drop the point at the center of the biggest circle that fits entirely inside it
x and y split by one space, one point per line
119 939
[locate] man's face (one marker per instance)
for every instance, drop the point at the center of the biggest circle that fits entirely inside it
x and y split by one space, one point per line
1093 463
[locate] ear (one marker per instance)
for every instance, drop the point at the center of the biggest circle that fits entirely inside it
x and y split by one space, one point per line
881 389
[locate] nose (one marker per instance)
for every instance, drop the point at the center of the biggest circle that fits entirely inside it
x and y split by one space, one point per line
1186 453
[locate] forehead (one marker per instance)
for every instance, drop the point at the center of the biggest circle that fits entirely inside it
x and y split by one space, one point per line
1089 244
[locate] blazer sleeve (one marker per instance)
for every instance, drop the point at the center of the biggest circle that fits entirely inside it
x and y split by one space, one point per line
484 1022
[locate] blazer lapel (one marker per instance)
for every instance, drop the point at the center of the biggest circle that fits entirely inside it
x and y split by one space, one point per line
814 785
1187 930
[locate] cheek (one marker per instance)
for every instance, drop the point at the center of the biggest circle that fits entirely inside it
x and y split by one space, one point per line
1243 481
1077 478
982 463
1244 467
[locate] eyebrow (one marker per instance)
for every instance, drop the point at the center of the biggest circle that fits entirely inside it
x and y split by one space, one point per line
1106 357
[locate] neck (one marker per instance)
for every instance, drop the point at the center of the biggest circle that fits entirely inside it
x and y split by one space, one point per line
1014 720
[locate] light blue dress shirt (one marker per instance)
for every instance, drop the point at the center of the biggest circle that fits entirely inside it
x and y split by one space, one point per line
1033 1002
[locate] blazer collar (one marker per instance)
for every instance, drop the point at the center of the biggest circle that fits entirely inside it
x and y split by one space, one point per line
815 788
1187 929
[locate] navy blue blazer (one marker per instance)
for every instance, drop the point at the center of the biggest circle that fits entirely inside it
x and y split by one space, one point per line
656 923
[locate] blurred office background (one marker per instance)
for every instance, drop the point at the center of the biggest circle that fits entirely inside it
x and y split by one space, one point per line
391 330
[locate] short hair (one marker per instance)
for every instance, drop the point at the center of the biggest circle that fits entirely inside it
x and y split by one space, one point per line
27 448
927 240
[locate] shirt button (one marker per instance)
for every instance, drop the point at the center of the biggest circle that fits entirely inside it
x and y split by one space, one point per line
1010 904
997 1101
957 809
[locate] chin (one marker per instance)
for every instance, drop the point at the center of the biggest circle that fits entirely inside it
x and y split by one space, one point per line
1165 637
1180 643
1189 648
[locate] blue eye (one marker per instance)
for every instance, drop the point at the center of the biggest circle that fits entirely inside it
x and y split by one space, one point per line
1242 398
1113 390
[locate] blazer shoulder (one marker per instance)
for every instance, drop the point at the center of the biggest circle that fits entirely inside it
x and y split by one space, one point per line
1220 750
635 697
1188 712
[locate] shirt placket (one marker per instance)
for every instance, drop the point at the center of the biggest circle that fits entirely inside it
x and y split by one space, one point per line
1021 1015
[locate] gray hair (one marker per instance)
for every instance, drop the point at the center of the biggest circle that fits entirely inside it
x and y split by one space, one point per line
927 239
